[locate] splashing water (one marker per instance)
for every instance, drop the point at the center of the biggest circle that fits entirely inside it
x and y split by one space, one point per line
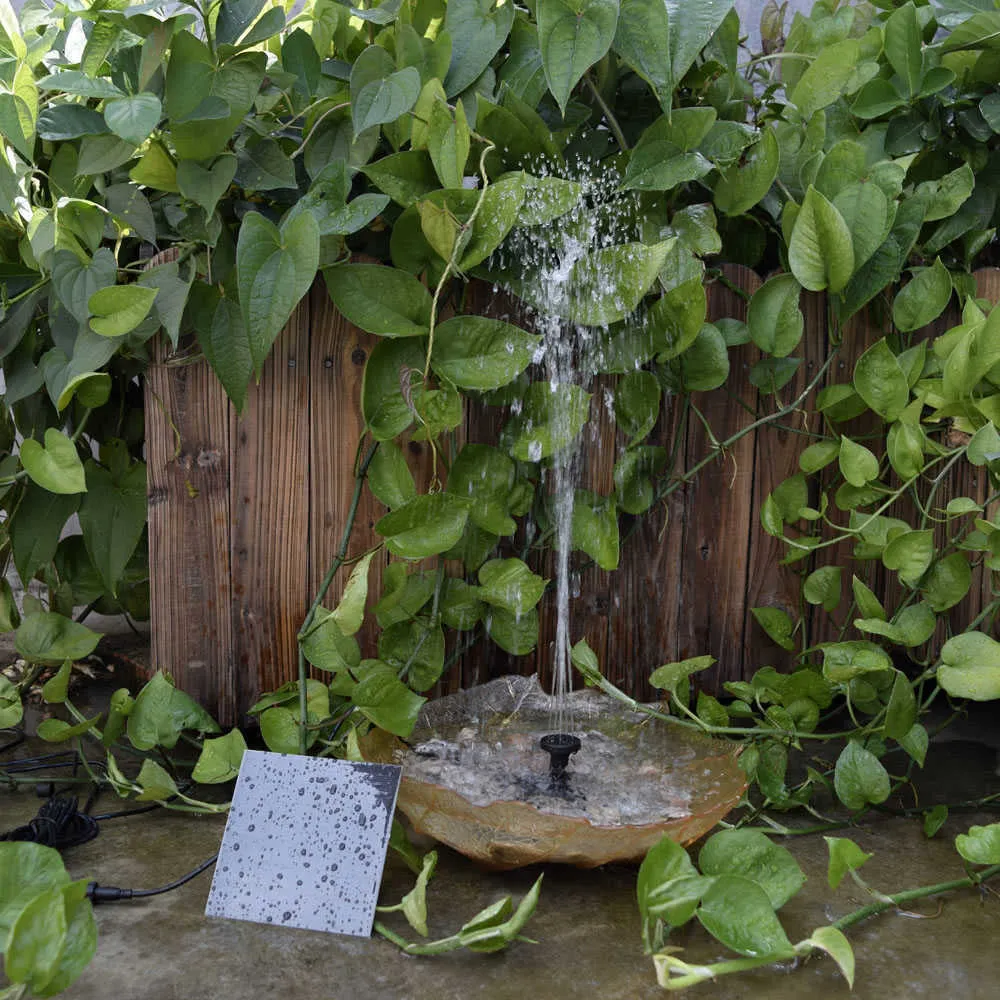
552 258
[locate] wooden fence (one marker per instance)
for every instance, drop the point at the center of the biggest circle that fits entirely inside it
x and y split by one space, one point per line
245 514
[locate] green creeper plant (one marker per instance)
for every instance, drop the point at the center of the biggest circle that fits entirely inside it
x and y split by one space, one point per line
189 175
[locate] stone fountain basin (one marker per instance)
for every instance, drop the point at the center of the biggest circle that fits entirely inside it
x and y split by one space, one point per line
508 825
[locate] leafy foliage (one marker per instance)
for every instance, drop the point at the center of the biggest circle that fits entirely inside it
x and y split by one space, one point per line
191 174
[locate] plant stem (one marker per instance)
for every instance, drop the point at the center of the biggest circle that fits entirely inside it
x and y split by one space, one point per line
338 561
616 129
899 898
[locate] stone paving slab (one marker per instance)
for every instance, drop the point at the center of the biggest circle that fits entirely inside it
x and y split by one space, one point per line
586 924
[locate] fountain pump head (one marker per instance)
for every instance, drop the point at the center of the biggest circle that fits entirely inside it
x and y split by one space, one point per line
560 747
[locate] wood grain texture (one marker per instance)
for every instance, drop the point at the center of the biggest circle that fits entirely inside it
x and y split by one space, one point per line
269 503
776 457
337 356
714 558
188 470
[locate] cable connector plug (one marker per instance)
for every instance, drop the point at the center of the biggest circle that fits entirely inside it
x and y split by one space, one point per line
107 893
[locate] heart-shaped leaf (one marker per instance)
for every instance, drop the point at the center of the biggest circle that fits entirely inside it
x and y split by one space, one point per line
206 185
133 118
55 467
274 268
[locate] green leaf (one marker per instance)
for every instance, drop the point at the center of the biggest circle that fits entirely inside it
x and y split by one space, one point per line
934 819
642 41
57 731
75 280
550 419
220 758
692 25
35 528
155 782
777 624
226 345
350 610
479 353
382 101
665 155
915 743
835 944
156 170
981 845
275 268
36 941
133 118
670 675
386 410
818 456
119 309
903 47
478 29
56 467
880 381
113 516
826 78
595 528
947 581
857 463
843 661
161 713
865 211
738 913
11 713
845 856
515 634
774 317
448 142
279 728
406 177
382 300
425 526
753 855
637 403
909 553
820 251
572 36
26 870
746 182
859 777
389 476
674 322
705 364
970 667
922 299
416 646
54 690
901 710
69 121
668 889
385 700
984 446
823 587
206 185
46 637
173 287
510 585
325 646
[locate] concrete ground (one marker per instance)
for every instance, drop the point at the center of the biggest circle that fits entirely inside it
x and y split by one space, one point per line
586 925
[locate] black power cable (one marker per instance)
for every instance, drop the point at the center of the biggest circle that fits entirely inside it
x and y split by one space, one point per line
111 894
61 824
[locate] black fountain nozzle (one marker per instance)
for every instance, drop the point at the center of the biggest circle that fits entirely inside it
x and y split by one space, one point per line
560 747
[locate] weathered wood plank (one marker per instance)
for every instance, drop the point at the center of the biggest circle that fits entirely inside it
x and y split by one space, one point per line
269 501
337 356
716 545
776 457
188 462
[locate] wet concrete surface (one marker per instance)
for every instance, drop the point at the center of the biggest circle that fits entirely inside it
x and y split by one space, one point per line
586 925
